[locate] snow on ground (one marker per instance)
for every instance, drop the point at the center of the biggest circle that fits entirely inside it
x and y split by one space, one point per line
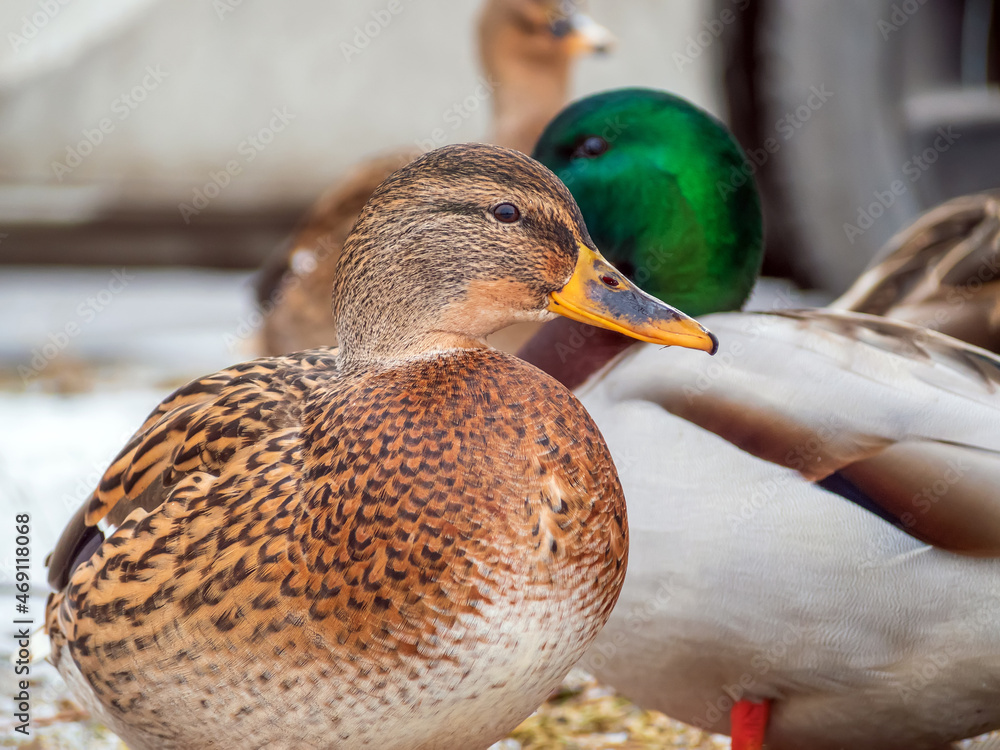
167 323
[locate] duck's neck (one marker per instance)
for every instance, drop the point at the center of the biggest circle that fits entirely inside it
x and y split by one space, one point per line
526 97
571 352
359 355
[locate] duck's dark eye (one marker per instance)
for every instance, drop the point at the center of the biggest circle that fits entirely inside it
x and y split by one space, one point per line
592 146
560 27
507 213
611 281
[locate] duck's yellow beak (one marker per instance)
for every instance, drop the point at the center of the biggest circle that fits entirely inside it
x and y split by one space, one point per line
598 294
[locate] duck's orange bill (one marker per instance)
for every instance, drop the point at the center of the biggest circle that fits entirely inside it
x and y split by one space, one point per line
598 294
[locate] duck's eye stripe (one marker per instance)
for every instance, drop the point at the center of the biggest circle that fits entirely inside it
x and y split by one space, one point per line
507 213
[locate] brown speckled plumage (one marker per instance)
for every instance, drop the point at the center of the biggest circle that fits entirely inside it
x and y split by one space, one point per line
402 544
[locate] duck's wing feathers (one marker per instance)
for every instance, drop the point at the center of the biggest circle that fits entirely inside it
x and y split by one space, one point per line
942 272
899 419
196 429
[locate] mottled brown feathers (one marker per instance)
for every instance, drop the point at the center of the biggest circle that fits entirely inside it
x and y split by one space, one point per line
307 521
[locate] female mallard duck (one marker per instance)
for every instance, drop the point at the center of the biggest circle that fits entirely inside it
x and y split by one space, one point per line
404 543
527 49
814 513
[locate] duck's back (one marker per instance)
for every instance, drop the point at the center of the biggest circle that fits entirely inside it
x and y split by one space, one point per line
360 545
749 580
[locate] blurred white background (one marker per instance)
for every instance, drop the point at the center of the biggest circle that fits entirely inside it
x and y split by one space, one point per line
185 83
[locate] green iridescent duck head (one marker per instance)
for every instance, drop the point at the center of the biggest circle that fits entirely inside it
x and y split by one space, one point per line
663 187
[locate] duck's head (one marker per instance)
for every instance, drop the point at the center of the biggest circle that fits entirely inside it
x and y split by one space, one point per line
667 193
528 48
471 238
541 30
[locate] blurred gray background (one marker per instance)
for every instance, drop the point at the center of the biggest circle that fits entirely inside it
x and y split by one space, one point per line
183 86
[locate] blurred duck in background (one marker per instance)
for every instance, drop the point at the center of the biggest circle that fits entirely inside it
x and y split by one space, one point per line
942 272
814 513
527 49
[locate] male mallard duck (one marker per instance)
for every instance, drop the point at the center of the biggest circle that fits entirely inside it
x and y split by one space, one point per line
527 49
941 272
403 543
814 513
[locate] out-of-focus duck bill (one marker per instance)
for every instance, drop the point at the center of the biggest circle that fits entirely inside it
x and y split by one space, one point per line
598 294
587 36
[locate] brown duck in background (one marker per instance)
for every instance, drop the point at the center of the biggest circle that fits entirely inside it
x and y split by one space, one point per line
527 49
404 543
942 272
